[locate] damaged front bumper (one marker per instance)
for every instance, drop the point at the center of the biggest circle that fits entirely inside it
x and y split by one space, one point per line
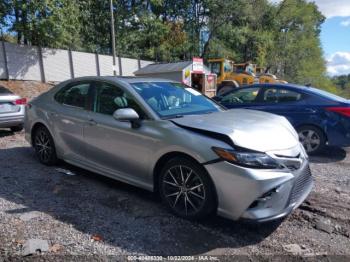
259 195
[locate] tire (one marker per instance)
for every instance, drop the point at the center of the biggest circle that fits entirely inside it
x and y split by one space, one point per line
44 146
16 128
186 189
312 138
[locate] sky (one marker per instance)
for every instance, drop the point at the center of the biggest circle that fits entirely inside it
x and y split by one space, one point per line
335 34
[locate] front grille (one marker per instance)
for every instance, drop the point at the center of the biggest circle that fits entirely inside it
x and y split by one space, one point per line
301 183
293 163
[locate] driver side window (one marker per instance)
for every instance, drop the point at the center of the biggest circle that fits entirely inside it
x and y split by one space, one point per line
109 98
246 95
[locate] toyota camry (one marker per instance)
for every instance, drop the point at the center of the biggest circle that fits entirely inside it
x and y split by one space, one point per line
168 138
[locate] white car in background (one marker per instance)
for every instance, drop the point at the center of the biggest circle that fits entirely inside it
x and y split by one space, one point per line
12 109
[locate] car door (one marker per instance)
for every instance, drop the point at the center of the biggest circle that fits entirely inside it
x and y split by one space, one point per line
69 118
114 147
285 102
241 98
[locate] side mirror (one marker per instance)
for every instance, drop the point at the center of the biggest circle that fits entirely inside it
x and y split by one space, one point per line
127 114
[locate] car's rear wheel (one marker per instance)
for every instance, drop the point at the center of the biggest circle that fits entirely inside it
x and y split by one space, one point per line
312 138
186 189
44 146
16 128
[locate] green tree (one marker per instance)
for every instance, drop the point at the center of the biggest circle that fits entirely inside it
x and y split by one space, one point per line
297 54
51 23
94 25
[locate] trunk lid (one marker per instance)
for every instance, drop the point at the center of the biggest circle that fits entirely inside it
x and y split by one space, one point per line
7 104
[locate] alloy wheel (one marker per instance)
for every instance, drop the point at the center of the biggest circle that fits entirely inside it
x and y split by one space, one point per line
310 140
43 145
184 190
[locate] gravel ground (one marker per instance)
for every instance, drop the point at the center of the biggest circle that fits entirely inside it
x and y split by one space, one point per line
69 212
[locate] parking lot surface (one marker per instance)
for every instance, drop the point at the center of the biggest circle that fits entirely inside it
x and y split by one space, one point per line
81 213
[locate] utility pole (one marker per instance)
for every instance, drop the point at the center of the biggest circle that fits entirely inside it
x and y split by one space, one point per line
113 36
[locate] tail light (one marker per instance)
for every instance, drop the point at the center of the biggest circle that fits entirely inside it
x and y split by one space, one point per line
21 101
345 111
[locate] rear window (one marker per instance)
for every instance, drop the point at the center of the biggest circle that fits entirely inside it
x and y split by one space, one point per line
327 95
5 91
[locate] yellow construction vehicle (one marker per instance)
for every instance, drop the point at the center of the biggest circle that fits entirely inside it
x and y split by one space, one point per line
270 78
243 73
226 69
265 77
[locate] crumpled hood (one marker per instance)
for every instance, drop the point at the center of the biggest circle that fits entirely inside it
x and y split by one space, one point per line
246 128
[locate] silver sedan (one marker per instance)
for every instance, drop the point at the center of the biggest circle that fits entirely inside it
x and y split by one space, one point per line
11 110
168 138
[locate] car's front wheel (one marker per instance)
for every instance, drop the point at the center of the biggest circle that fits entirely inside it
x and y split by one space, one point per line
186 189
312 138
44 146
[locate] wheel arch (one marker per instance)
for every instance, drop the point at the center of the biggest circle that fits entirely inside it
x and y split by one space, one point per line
35 127
314 126
170 155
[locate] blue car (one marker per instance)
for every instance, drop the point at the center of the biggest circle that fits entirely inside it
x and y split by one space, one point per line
319 117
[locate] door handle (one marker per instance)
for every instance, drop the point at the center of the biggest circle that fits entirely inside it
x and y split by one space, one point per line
310 110
92 122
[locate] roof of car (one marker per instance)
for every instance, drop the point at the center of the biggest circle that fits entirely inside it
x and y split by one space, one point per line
281 85
163 68
135 79
306 89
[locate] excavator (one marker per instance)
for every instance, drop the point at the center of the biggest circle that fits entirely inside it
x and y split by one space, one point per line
241 74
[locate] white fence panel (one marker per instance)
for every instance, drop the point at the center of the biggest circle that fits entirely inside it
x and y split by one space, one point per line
56 64
106 63
84 64
145 63
2 63
129 66
23 62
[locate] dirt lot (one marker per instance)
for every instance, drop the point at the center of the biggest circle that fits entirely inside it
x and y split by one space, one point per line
39 202
27 89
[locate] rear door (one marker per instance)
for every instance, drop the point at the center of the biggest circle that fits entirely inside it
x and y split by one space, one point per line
286 102
69 118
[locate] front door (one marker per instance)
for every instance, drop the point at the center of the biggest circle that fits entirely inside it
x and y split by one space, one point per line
242 98
114 146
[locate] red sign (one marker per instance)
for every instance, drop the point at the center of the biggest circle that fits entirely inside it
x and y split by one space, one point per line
197 65
210 78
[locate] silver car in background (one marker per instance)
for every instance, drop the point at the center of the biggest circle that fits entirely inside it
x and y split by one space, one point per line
168 138
12 109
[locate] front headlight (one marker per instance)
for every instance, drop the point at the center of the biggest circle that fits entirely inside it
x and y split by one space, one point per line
246 158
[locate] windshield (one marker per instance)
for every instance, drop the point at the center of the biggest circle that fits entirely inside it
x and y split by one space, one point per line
215 68
171 100
227 66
